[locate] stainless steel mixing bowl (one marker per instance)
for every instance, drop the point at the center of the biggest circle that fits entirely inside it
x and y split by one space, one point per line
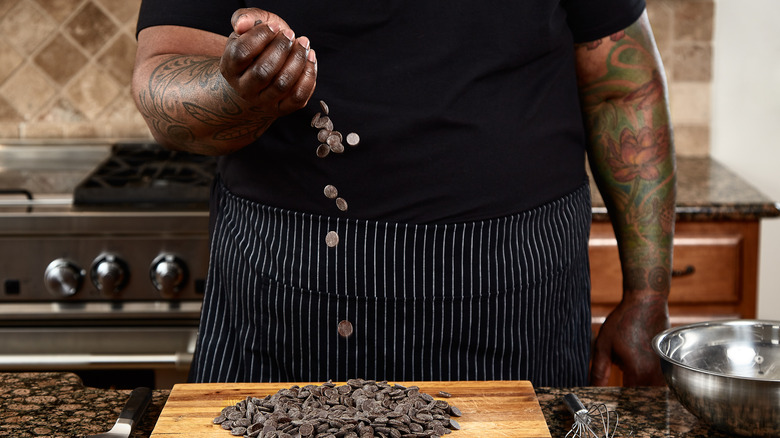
727 373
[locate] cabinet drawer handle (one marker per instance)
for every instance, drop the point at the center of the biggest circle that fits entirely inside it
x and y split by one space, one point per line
684 272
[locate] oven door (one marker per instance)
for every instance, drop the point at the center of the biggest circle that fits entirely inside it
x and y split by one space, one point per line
118 351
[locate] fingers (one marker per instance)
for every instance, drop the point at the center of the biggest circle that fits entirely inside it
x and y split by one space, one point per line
252 60
600 368
269 67
242 50
643 370
599 373
276 69
294 83
304 88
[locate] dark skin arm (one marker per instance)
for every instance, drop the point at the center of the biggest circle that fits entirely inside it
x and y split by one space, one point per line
208 94
625 106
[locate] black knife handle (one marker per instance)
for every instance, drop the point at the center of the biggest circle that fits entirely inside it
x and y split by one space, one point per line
136 406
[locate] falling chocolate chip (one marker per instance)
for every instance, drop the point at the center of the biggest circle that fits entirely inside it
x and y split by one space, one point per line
323 135
332 239
345 329
323 122
315 120
331 192
353 139
323 150
334 138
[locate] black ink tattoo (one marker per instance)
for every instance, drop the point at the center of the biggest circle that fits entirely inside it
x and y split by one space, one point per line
168 104
234 127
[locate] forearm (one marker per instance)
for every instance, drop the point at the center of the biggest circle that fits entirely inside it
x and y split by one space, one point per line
188 105
630 149
632 158
641 208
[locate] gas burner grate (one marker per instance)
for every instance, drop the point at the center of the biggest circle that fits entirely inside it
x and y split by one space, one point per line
146 174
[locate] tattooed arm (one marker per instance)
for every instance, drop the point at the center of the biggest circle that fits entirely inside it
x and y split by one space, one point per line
623 93
208 94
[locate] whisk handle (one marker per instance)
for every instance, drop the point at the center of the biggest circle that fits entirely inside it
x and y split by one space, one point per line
574 404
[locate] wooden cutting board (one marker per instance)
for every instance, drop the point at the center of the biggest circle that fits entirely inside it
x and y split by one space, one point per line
490 408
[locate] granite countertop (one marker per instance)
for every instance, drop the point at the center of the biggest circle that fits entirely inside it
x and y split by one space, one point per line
59 405
708 191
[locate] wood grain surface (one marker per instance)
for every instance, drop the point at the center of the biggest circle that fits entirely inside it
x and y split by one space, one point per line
490 408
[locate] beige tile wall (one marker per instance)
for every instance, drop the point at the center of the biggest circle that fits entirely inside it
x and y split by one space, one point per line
683 30
65 68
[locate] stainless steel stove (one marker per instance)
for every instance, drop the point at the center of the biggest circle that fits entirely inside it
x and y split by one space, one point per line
103 257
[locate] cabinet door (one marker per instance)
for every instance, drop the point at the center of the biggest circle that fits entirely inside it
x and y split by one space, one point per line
706 270
715 271
714 277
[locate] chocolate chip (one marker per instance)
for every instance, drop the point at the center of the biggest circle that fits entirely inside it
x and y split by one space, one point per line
323 150
332 239
345 329
323 135
331 192
315 120
353 139
361 408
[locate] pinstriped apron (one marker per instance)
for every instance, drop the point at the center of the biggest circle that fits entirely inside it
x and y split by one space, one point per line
498 299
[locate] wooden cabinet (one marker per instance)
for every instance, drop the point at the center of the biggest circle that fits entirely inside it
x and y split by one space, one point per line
715 272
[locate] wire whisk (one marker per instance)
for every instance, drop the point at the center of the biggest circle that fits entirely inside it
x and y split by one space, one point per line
596 421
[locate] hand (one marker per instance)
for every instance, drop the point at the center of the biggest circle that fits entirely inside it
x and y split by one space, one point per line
625 338
267 65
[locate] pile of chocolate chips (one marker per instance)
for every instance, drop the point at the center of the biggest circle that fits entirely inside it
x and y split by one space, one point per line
358 409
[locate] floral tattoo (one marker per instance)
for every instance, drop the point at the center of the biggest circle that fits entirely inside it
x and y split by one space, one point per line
631 152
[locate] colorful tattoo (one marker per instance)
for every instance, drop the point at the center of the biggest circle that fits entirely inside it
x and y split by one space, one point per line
631 151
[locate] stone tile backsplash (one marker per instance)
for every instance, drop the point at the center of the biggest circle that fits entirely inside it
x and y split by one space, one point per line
65 68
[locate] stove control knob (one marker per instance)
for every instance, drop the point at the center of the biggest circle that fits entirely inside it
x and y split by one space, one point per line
109 274
168 274
63 278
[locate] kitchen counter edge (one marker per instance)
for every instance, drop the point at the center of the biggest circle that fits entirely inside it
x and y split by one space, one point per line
58 404
708 191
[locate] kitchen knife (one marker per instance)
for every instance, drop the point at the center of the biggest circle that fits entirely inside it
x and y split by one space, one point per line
134 409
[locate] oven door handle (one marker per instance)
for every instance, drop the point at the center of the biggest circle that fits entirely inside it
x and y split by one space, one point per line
102 361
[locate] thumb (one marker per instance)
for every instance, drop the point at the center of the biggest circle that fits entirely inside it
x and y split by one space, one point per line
246 18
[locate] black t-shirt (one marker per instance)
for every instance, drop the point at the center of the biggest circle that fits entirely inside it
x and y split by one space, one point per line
466 110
